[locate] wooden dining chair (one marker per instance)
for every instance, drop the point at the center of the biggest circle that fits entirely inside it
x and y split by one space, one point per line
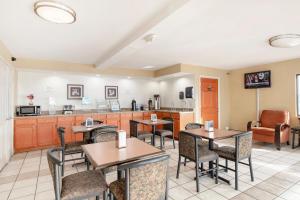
241 151
189 148
82 185
145 179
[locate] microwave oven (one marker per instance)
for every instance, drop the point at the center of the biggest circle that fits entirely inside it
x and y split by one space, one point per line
28 110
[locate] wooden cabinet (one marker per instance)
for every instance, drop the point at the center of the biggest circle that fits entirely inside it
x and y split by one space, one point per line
46 131
67 122
100 117
124 122
113 119
147 116
77 137
24 134
138 116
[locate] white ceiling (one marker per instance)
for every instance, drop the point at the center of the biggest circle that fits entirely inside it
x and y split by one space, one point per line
214 33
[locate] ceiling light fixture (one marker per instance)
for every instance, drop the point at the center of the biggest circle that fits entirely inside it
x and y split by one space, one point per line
56 12
150 38
148 67
285 40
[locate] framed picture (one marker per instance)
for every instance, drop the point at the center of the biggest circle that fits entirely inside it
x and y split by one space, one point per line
75 91
111 92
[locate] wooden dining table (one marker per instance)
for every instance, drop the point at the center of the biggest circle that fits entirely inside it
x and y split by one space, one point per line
105 154
154 125
217 134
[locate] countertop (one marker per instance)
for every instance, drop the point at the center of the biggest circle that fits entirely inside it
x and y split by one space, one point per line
81 112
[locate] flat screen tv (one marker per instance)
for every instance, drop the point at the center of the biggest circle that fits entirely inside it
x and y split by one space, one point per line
258 80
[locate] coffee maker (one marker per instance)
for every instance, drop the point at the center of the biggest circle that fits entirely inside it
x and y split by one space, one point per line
156 102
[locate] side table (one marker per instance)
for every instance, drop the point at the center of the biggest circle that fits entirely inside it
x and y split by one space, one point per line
295 130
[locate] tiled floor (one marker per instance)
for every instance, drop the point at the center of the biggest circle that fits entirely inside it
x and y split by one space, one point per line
277 176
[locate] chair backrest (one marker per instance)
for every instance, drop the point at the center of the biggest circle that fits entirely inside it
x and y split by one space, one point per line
133 128
61 136
188 145
104 134
190 126
55 163
243 144
146 179
168 127
270 118
96 122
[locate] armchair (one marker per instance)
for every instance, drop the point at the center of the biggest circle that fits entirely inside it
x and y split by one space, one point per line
273 127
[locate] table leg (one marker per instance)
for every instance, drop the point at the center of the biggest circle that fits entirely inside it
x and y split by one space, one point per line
210 147
293 140
153 131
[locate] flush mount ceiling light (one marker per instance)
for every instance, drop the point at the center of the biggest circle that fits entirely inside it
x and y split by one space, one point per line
56 12
148 67
285 41
150 38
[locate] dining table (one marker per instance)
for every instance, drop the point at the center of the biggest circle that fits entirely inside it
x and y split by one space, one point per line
154 125
106 154
211 136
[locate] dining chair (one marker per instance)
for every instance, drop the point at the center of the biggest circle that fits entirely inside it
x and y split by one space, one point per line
202 142
69 149
166 131
142 135
241 151
104 134
189 148
145 179
82 185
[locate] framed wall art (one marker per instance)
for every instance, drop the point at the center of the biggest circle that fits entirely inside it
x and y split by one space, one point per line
75 91
111 92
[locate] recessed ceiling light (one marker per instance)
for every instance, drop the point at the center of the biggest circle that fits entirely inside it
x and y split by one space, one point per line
56 12
128 77
97 75
150 38
148 67
285 41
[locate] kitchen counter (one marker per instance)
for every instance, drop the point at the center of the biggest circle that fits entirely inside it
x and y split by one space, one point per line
93 112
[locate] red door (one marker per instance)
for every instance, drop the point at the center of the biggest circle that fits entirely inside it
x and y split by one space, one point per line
209 100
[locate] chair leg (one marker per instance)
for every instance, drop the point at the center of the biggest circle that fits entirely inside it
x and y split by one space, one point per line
226 165
251 169
202 167
184 164
197 176
63 164
178 166
217 171
173 141
288 143
97 197
236 174
161 142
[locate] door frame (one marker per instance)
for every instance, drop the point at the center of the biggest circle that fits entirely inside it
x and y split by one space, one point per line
219 97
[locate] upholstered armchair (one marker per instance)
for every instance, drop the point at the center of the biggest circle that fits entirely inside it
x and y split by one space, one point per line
273 127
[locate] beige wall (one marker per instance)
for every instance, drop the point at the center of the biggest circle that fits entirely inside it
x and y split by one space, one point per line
281 96
224 90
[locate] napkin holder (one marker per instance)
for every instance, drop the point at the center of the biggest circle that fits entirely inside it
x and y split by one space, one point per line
209 126
121 139
153 117
89 122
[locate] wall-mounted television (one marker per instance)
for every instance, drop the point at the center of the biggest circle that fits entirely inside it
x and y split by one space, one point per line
258 80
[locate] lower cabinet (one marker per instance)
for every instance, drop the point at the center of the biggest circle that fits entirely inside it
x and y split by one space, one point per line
46 131
41 132
25 134
124 122
67 122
